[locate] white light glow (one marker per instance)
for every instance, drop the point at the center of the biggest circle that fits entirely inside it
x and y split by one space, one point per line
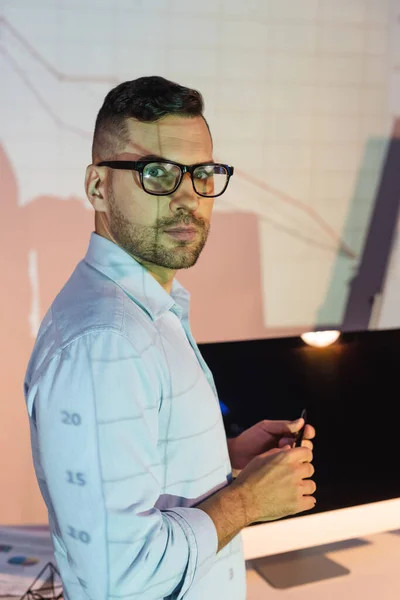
320 339
328 527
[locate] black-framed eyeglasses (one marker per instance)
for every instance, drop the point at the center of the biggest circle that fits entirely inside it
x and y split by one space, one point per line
163 177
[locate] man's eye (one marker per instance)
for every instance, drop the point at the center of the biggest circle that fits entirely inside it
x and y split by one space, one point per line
203 174
155 172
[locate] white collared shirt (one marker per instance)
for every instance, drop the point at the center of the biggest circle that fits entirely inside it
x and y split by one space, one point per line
127 435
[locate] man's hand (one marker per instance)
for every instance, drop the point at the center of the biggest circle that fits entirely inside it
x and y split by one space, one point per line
264 436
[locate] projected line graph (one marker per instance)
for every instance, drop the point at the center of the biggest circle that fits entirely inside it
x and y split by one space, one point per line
59 76
342 246
52 70
45 105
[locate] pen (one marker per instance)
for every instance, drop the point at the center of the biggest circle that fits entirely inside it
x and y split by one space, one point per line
299 437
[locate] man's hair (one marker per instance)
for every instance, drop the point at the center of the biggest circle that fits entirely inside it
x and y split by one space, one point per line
146 99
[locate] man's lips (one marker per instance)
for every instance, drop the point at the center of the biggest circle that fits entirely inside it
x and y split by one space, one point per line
182 229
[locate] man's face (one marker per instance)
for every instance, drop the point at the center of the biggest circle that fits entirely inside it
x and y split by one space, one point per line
138 220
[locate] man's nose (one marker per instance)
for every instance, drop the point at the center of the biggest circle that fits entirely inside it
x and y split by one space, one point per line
186 180
186 186
185 196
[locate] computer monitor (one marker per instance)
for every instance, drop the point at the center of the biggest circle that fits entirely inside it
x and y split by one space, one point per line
350 390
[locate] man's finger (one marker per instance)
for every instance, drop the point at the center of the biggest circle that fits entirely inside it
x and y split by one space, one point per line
309 432
277 427
295 427
291 440
307 444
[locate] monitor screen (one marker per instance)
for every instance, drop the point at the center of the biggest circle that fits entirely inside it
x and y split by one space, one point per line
351 392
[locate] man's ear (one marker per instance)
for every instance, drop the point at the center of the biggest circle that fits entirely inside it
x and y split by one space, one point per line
94 187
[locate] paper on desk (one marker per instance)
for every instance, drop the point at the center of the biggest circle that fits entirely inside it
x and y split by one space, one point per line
36 545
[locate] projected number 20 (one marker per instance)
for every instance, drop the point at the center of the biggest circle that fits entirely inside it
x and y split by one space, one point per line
82 536
71 418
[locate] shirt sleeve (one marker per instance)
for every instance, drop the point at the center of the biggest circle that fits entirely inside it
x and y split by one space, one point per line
96 410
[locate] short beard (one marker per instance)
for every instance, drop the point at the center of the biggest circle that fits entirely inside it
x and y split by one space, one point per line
144 242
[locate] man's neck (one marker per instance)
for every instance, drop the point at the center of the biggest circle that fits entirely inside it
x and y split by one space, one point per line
165 277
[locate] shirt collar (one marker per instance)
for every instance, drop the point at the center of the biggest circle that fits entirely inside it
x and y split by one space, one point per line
135 280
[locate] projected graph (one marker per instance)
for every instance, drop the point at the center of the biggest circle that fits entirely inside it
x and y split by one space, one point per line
62 77
298 100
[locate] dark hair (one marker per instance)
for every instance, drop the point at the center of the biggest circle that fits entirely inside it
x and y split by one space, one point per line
146 99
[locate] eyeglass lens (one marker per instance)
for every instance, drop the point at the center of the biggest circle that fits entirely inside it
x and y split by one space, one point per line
161 178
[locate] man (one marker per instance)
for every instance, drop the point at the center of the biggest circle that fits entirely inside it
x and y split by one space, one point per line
127 435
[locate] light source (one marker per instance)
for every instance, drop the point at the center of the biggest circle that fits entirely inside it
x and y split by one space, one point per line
320 339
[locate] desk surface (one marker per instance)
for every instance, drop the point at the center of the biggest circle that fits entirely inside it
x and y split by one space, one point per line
373 562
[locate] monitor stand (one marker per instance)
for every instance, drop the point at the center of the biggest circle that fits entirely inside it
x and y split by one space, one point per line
292 569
